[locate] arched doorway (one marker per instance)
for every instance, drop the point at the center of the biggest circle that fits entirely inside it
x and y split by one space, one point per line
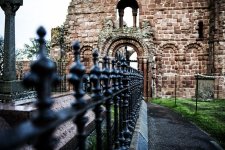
129 46
138 38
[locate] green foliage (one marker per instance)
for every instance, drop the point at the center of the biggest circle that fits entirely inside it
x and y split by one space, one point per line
31 49
91 141
210 115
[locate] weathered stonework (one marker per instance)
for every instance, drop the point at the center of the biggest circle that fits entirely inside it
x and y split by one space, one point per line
175 37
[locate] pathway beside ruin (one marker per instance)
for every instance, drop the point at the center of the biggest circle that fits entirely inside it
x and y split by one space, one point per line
170 131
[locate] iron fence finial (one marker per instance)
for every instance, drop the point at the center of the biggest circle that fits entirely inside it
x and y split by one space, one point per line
76 49
76 76
42 76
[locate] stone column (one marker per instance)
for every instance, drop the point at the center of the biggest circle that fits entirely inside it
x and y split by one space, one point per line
143 67
134 11
147 73
121 14
9 7
11 90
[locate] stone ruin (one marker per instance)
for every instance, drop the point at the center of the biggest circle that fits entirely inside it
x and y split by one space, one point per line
173 37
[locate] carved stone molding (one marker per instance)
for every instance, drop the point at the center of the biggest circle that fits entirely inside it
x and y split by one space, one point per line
143 35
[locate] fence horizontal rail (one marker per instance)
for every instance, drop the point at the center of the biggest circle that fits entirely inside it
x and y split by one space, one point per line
118 86
20 135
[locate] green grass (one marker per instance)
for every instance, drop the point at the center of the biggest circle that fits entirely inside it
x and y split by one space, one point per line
210 115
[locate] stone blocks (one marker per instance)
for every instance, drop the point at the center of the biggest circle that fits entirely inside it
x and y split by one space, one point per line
176 43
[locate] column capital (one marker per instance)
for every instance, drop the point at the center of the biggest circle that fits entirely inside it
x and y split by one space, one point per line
10 6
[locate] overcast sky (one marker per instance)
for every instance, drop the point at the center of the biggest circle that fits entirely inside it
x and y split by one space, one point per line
48 13
33 13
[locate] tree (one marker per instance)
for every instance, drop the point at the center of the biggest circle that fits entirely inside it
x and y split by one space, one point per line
30 50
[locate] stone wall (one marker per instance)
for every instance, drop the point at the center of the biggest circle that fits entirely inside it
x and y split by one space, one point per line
184 86
219 87
85 20
179 50
178 43
219 37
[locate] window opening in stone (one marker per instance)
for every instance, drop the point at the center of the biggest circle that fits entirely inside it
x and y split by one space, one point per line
122 6
200 29
130 17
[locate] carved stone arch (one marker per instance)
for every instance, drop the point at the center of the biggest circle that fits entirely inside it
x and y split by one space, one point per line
172 46
195 58
117 43
144 55
138 45
84 48
167 66
197 46
167 59
140 39
166 50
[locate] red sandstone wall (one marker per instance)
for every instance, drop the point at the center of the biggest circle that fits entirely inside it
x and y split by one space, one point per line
220 38
175 23
85 20
179 50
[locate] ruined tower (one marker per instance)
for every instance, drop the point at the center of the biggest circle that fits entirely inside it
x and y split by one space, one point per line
173 39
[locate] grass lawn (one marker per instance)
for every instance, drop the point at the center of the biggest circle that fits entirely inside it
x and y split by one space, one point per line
210 115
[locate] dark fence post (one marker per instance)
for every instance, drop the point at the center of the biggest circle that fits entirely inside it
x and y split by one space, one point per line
115 85
42 76
95 75
130 109
76 75
107 93
125 97
132 101
120 100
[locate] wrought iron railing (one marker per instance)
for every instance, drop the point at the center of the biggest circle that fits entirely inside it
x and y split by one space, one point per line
122 90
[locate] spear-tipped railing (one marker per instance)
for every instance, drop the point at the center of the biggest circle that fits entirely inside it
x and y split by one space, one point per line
116 88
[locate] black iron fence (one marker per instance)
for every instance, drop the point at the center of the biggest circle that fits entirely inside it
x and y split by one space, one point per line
63 85
114 86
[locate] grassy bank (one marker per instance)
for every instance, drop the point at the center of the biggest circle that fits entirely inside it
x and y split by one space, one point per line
210 115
